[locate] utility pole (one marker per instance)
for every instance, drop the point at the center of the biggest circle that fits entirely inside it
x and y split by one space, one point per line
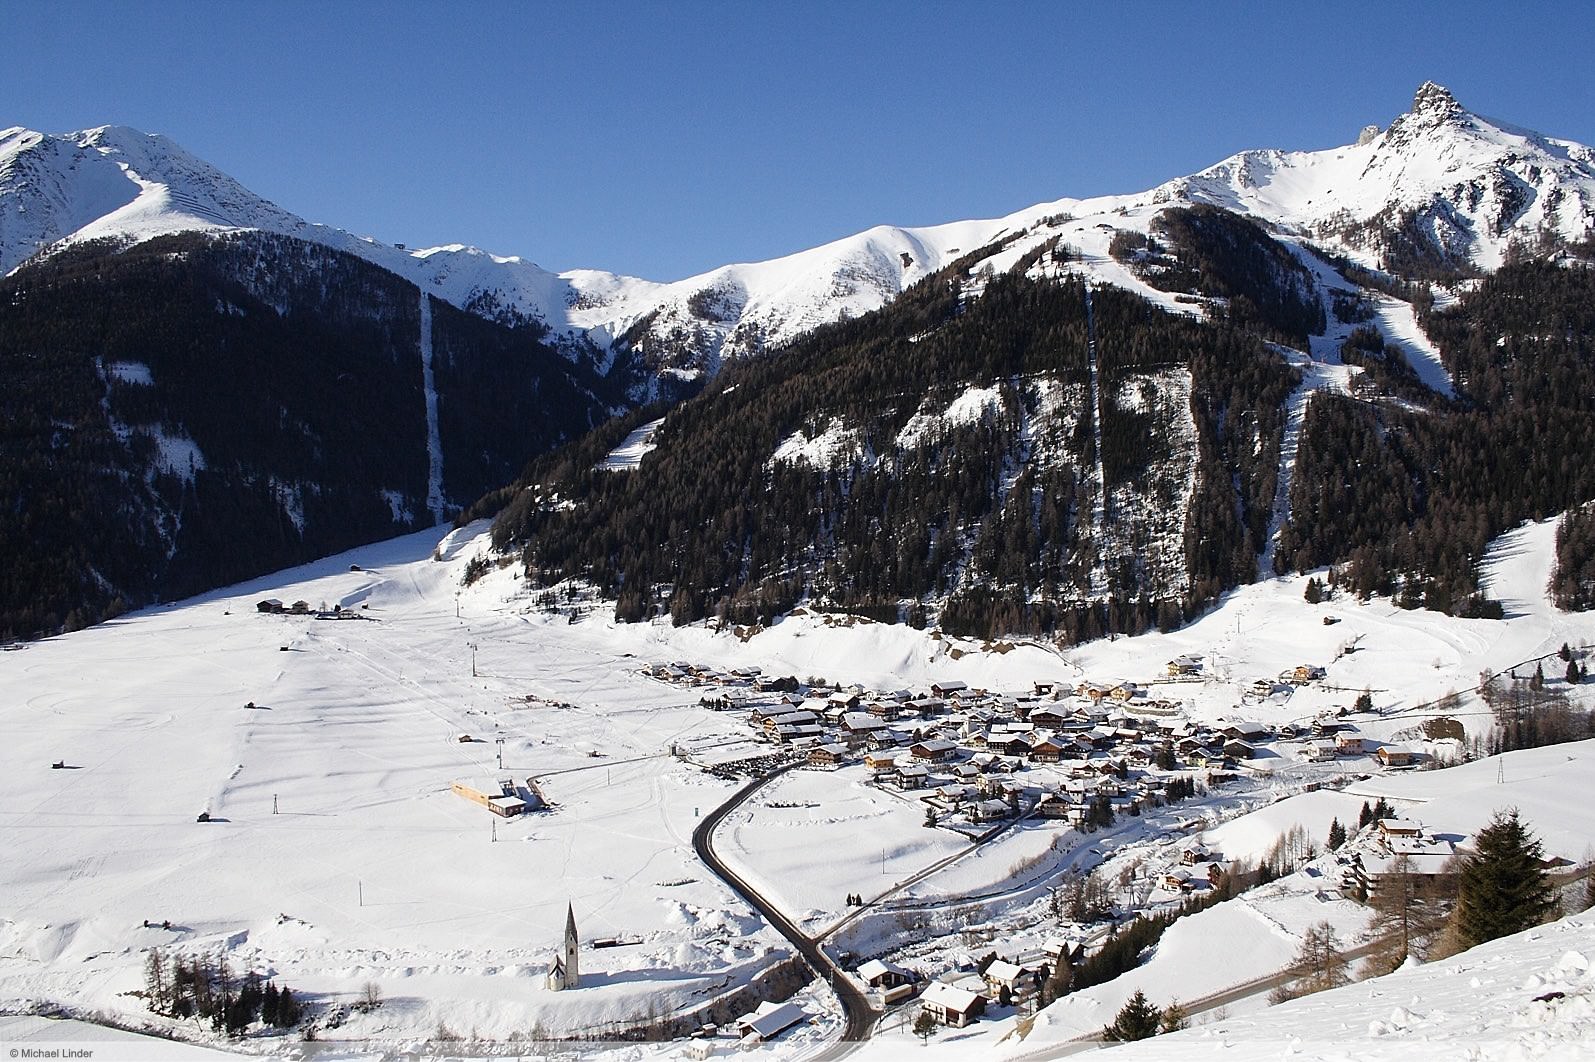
360 891
494 824
472 646
274 803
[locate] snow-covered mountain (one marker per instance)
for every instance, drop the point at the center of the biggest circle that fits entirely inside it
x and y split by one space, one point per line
1472 184
1465 185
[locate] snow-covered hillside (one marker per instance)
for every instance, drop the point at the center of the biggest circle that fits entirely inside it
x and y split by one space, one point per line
1469 184
323 751
1529 996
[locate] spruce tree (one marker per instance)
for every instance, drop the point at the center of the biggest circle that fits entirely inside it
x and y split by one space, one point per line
1337 835
1502 888
268 1004
287 1008
1137 1020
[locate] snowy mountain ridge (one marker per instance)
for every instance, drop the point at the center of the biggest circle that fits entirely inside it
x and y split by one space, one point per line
1468 185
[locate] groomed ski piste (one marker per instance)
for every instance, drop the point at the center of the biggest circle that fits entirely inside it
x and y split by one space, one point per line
336 854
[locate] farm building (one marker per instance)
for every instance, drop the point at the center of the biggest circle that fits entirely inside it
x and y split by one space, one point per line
769 1021
497 796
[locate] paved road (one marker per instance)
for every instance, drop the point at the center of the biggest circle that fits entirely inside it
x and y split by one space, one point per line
861 1016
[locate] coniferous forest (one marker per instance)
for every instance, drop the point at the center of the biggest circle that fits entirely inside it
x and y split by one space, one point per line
1407 498
196 410
981 528
979 524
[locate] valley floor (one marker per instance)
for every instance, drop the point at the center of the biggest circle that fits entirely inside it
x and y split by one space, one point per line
323 752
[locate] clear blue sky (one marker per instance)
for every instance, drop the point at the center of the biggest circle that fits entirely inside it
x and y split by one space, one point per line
666 138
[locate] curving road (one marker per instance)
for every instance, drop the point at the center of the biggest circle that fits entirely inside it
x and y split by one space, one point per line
856 1006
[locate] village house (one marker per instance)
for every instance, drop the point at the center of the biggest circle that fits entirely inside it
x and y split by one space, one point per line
990 811
1316 752
832 755
795 717
880 974
881 760
949 689
1185 664
1393 828
1049 718
951 1005
1048 750
798 733
1304 673
858 726
1395 755
883 709
933 751
1238 750
1020 981
1348 745
883 739
1051 806
1245 731
913 776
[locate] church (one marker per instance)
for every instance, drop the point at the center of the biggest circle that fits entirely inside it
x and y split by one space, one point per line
564 972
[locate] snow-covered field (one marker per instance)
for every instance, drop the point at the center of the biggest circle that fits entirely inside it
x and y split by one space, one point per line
336 853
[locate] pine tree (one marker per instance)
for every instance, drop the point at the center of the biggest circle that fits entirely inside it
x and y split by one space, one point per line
1174 1018
268 1005
1571 674
1501 889
287 1009
1337 835
1058 979
1137 1020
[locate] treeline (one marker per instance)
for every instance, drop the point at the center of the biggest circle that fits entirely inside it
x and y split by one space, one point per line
1222 254
1406 499
964 513
1573 579
198 409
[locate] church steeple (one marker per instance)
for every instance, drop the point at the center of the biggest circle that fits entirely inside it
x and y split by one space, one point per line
572 972
564 972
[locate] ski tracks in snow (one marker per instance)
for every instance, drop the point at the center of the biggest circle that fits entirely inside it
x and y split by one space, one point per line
1315 376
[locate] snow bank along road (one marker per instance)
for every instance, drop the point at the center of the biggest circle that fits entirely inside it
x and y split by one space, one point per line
860 1015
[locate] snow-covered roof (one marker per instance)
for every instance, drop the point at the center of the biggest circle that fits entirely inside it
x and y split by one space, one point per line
770 1018
949 997
1003 970
880 968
